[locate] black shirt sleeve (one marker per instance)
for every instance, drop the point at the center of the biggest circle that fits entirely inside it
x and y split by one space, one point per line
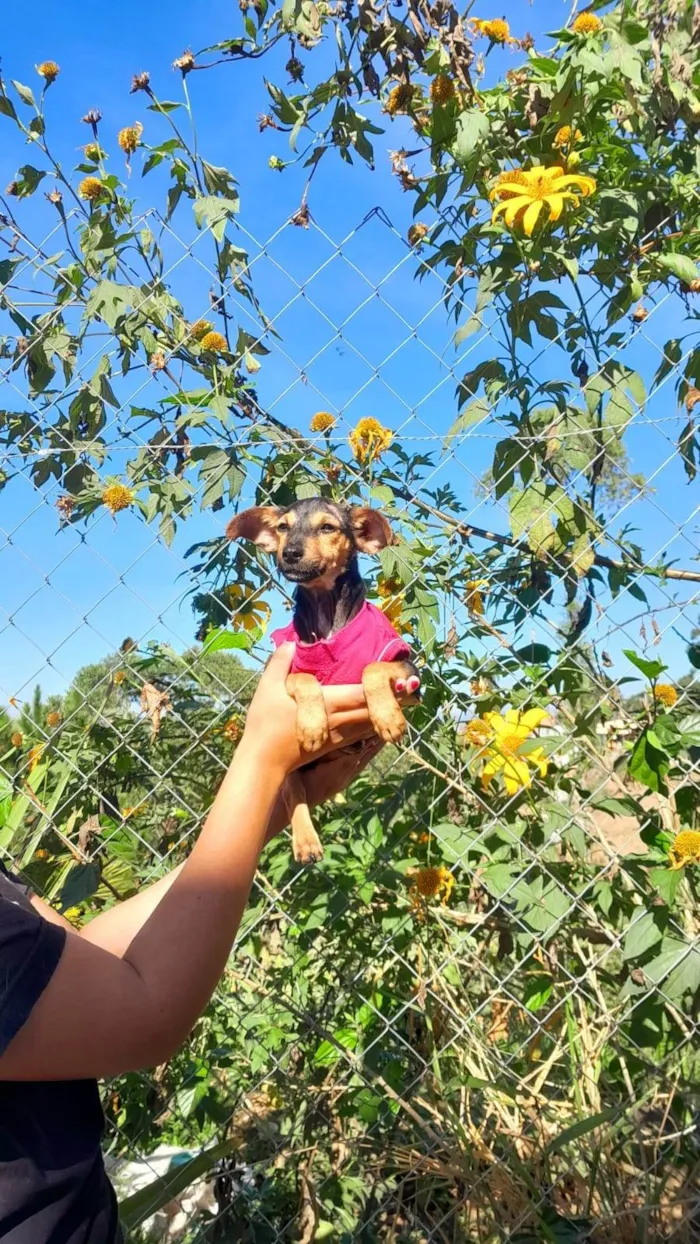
30 949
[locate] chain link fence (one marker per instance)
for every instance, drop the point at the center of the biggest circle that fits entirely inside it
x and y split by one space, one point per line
477 1018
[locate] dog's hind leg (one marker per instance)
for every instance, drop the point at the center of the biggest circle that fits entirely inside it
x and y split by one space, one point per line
306 844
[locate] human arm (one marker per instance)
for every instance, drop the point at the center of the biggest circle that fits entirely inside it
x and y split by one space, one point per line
103 1014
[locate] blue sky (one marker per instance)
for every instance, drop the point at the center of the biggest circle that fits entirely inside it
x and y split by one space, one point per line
72 596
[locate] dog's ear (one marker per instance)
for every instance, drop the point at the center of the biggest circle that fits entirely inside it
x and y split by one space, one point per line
372 530
257 524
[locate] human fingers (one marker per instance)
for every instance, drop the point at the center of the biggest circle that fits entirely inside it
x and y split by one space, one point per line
346 697
279 665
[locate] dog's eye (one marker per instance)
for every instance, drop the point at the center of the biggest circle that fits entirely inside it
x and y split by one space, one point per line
328 527
282 527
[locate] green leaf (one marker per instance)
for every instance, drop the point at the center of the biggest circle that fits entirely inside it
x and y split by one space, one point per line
25 93
643 932
219 639
651 669
328 1053
623 805
582 1128
679 265
476 412
454 840
648 765
7 108
212 212
666 881
472 130
81 883
537 991
676 970
155 1196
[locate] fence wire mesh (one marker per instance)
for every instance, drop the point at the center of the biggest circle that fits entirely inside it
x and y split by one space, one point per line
477 1017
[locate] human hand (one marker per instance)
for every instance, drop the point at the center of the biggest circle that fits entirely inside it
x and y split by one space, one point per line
270 729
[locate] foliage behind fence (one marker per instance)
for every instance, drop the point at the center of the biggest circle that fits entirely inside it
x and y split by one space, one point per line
477 1018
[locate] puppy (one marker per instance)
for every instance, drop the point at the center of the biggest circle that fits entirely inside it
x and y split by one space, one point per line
340 636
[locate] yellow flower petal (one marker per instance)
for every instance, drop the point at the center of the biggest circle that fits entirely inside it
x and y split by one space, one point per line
531 216
498 724
585 185
555 203
516 775
532 718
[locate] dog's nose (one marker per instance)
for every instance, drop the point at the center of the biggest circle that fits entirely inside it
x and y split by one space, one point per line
292 553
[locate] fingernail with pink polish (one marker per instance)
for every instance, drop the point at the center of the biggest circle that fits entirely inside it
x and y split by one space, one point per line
413 684
400 684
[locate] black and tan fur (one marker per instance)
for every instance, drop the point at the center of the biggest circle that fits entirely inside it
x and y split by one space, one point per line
315 543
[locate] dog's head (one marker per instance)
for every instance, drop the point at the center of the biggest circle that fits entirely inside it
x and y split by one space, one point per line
313 540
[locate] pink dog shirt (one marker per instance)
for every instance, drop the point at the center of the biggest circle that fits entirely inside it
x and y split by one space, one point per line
343 657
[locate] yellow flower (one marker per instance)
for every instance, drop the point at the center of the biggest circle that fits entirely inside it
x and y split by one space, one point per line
547 188
442 89
509 733
565 138
200 328
587 24
400 99
369 439
49 71
495 29
685 849
322 421
128 138
118 677
53 719
665 694
41 854
430 883
34 756
16 739
93 152
478 732
214 342
90 188
507 184
392 604
475 596
117 497
248 611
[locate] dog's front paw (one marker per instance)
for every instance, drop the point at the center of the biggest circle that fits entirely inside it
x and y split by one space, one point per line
390 723
312 730
307 847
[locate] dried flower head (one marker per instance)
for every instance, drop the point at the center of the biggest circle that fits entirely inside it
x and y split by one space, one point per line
141 82
665 694
55 197
301 217
199 329
587 24
214 343
400 99
185 62
13 189
129 138
322 421
17 739
295 69
417 232
692 398
442 89
369 439
118 677
157 361
117 497
49 71
640 313
685 849
93 118
233 730
478 732
694 286
65 506
479 686
53 719
91 188
266 122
